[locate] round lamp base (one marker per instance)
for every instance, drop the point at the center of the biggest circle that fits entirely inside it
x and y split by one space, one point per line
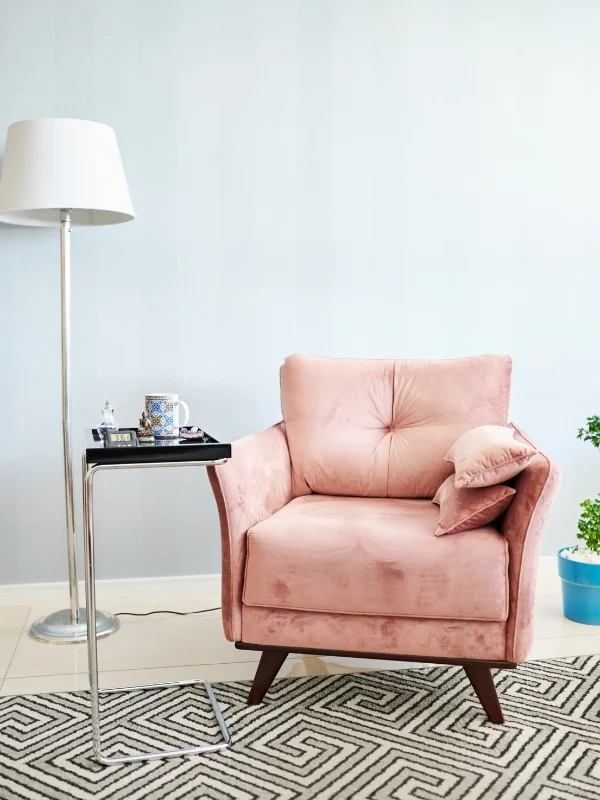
57 627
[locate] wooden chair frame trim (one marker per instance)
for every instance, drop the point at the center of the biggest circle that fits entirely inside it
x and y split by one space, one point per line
478 671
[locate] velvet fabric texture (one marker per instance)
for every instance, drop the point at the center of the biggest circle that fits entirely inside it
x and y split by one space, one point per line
465 509
381 428
307 550
254 484
488 455
376 556
523 526
435 638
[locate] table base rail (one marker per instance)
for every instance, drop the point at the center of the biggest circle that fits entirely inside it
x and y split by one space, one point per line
150 756
88 473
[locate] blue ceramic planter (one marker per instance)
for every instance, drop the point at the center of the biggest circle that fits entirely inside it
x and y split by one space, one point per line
580 589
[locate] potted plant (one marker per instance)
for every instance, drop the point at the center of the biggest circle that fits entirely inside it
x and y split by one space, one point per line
579 565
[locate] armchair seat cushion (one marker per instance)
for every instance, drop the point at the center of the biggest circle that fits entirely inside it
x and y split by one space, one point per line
376 556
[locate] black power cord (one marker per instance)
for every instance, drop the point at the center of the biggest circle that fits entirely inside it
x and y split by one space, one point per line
179 613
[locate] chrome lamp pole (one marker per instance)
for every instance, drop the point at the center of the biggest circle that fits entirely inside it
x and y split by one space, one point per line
65 350
64 172
69 625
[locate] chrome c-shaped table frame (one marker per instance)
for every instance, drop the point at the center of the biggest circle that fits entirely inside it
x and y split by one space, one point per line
89 472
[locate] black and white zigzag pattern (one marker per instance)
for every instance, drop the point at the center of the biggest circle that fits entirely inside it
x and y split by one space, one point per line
418 733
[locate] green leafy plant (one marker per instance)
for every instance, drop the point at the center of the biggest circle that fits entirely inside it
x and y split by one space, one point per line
589 524
589 521
591 433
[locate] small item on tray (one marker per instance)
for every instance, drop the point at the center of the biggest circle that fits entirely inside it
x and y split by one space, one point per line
191 433
144 431
108 420
120 438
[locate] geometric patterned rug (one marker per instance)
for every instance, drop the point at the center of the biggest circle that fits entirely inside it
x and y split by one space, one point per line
417 733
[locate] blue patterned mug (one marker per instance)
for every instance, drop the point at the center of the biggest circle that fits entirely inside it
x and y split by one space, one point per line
163 411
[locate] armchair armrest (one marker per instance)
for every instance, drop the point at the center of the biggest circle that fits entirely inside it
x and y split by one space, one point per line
254 484
523 525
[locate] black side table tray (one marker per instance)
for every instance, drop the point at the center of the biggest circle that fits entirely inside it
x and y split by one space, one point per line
162 453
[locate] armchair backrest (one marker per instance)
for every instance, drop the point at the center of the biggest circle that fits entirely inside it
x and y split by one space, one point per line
381 428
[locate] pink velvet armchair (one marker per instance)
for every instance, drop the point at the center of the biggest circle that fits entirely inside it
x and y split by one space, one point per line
328 526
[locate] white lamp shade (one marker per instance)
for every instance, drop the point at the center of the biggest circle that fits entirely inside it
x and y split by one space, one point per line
55 164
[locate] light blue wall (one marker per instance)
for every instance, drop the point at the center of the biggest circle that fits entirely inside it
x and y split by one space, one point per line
361 177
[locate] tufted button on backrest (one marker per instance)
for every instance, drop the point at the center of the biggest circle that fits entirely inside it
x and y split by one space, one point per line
381 428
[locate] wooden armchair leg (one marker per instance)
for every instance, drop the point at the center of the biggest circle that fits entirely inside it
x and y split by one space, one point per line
268 667
483 683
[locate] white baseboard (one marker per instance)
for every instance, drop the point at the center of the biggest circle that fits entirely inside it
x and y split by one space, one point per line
26 594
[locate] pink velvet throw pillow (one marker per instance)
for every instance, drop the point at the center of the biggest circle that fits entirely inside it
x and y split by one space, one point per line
488 455
465 509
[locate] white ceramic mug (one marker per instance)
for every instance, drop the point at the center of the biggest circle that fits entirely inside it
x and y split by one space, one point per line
163 411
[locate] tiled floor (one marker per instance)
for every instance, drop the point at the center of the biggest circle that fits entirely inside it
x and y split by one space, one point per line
168 647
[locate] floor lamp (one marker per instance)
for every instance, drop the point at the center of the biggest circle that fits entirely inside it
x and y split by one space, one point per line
64 173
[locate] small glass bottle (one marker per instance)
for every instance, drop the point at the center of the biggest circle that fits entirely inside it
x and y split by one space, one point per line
108 420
